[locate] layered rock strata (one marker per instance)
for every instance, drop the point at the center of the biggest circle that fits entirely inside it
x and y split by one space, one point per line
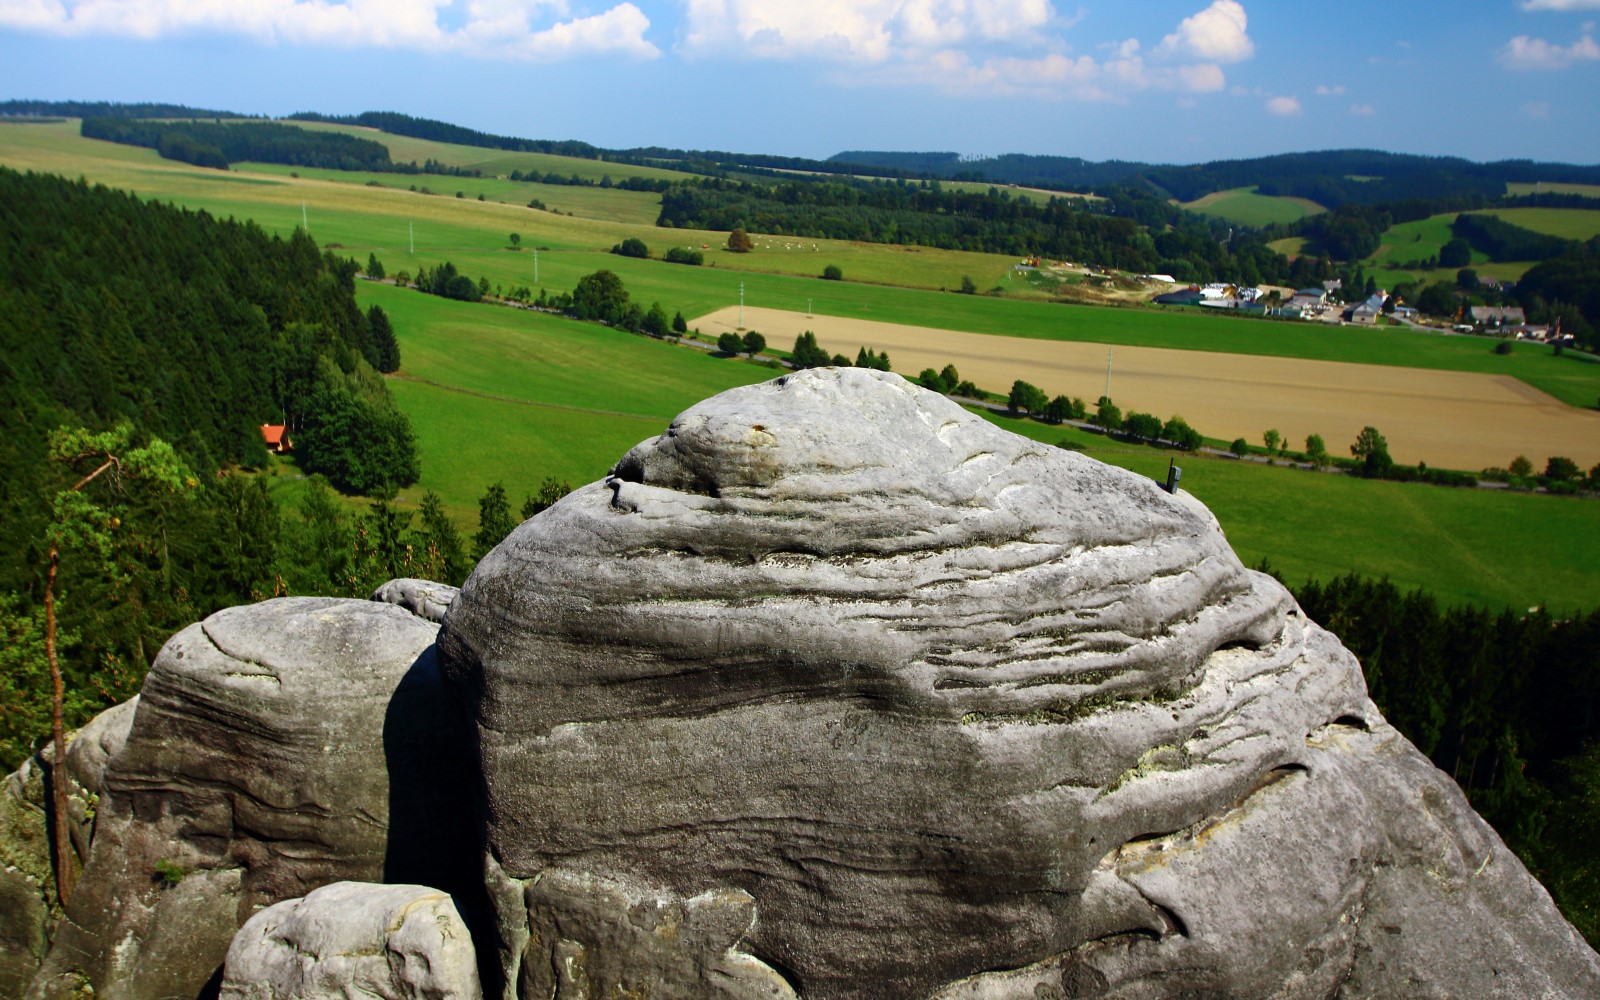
961 715
276 748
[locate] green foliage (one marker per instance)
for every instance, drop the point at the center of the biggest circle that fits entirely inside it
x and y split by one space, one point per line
494 520
1560 469
207 144
868 358
600 296
1317 452
631 247
655 321
1502 346
384 354
1240 447
1373 451
684 255
442 556
1107 414
1144 426
738 240
374 267
754 343
1178 432
1456 253
968 286
1521 467
832 273
1025 397
679 324
1274 441
549 492
944 381
446 282
352 433
169 873
516 241
25 690
730 343
807 354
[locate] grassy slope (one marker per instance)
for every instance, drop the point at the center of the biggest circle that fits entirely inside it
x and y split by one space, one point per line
586 394
1587 190
1567 223
472 235
1411 241
1477 546
1244 206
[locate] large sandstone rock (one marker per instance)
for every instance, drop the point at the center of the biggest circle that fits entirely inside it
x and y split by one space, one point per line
349 939
961 715
275 748
27 878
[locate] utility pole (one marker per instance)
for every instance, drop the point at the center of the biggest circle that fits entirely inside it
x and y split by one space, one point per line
535 265
411 234
741 305
808 308
304 222
1108 373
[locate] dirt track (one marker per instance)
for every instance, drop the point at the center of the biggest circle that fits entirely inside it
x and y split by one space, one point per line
1454 420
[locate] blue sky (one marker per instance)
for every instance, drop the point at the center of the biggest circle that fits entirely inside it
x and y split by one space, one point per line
1161 80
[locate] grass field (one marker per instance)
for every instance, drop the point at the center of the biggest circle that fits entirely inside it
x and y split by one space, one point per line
1455 420
1567 223
1477 546
1244 206
516 397
1545 187
1414 241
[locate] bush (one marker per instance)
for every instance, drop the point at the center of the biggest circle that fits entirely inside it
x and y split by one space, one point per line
1240 447
730 343
684 255
1502 347
832 273
631 247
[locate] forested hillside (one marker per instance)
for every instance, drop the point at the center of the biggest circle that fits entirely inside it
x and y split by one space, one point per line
193 329
213 144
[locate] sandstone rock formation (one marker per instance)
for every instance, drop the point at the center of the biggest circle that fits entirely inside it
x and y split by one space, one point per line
423 598
275 748
27 881
961 715
392 942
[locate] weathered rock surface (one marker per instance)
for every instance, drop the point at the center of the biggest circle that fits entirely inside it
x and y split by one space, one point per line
423 598
961 715
27 880
349 939
275 748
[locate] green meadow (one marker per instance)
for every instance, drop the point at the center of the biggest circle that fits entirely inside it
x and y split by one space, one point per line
498 394
1567 223
1247 208
1485 547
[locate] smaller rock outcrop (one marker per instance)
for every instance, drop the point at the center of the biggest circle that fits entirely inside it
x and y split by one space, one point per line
423 598
276 748
395 942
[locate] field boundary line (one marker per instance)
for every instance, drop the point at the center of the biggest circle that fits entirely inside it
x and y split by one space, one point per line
524 402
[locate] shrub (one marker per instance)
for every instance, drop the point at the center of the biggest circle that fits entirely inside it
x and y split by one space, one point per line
832 273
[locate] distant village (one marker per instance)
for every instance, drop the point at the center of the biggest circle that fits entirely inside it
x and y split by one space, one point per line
1327 304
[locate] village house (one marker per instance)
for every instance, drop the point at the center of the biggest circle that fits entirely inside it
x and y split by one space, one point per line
276 437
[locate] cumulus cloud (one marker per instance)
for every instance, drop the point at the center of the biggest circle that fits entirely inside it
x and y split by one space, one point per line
1323 90
1362 110
490 28
1560 4
859 30
1283 106
1524 53
1216 35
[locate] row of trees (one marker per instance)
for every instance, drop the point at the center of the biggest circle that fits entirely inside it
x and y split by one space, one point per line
212 144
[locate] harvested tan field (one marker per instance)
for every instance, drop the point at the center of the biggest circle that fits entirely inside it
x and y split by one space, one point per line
1455 420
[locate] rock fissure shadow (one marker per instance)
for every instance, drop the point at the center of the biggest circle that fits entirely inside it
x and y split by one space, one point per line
436 830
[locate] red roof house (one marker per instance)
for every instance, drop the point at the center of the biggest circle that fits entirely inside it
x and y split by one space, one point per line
277 438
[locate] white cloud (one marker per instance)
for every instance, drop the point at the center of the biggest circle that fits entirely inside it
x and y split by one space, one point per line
1362 110
1560 4
1323 90
1537 109
859 30
492 28
1526 53
1216 34
1283 106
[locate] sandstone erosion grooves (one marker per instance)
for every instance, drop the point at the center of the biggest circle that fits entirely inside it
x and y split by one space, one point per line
275 748
960 714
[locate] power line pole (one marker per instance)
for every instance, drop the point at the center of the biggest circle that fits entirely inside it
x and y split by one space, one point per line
741 305
411 233
808 308
304 222
1108 373
535 265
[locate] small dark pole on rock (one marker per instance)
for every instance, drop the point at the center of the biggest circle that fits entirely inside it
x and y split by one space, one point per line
1174 473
